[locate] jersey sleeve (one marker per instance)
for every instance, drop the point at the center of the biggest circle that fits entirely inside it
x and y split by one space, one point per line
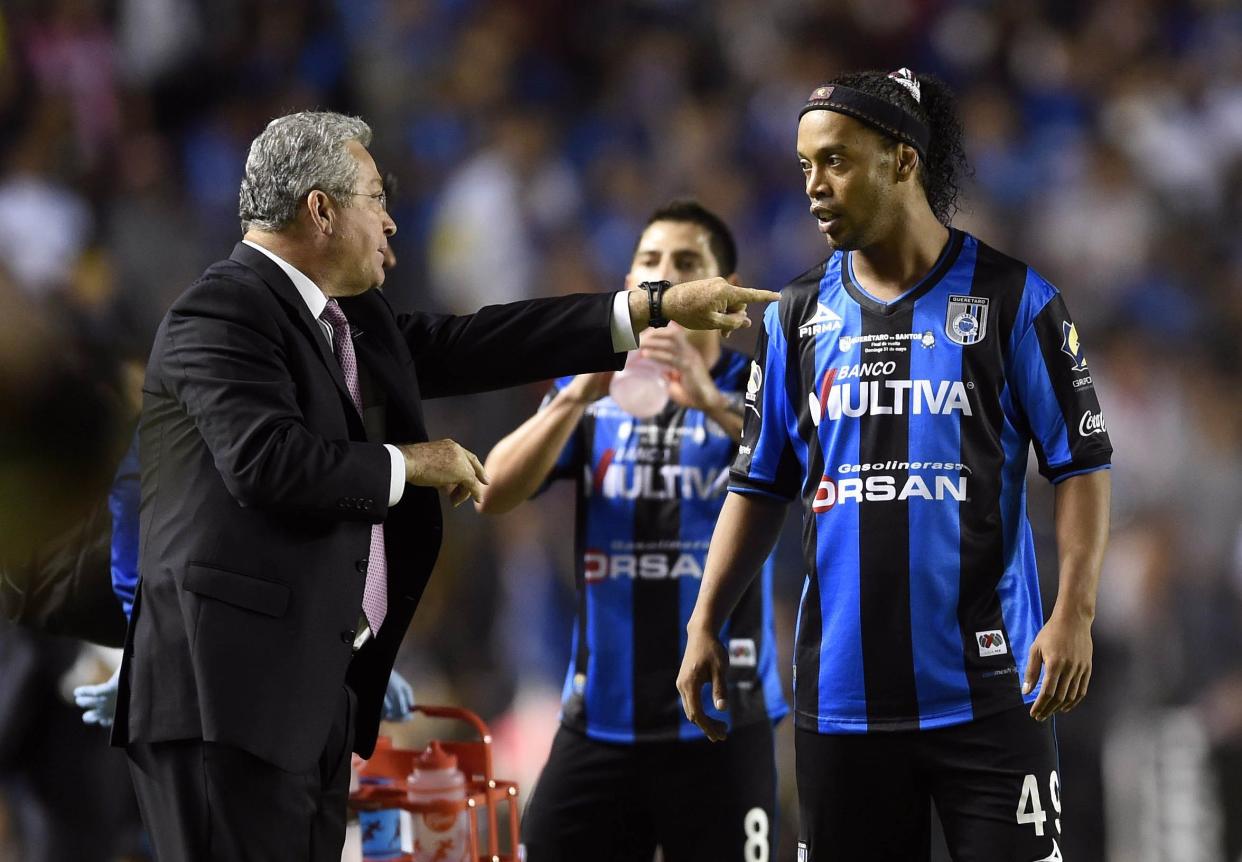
766 462
123 502
1053 387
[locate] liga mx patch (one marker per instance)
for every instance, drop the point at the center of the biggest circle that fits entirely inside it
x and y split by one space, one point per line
991 643
742 653
967 319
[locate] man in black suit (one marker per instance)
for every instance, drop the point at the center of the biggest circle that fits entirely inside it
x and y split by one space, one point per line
289 514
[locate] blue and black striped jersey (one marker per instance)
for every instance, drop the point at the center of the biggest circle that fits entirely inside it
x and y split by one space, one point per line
905 429
649 492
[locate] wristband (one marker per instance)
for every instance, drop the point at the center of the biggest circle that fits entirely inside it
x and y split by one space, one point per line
655 302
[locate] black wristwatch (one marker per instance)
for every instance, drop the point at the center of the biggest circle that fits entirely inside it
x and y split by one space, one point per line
655 302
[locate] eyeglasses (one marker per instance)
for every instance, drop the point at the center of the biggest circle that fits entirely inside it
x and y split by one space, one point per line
382 197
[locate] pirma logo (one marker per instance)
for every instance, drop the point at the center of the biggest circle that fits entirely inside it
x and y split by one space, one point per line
991 643
823 320
755 382
753 385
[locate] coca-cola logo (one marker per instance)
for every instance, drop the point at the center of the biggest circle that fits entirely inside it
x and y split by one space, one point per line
1091 423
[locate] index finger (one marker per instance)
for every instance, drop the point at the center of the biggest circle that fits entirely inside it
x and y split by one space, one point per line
751 294
1047 695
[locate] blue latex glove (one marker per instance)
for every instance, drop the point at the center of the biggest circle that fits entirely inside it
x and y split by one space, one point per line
398 700
98 701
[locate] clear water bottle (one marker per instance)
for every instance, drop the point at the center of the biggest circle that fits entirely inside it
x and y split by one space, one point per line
640 388
439 836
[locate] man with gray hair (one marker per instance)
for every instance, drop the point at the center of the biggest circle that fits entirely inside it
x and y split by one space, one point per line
289 517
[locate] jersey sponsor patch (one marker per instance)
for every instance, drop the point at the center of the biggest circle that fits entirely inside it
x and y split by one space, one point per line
1091 423
742 652
991 642
887 398
1072 347
655 566
966 322
882 489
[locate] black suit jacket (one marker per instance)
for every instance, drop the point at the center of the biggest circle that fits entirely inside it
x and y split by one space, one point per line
260 486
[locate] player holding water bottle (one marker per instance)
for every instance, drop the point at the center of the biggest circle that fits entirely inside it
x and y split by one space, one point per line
627 769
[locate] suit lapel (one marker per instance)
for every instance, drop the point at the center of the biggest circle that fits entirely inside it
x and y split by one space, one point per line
280 284
378 344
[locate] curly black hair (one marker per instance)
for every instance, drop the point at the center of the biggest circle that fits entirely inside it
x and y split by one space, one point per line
945 169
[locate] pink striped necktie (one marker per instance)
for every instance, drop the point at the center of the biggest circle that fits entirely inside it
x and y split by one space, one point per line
375 595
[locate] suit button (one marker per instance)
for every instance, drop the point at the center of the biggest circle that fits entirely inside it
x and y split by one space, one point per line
361 566
347 637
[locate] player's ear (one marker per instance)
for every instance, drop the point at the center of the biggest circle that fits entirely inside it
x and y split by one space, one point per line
906 161
733 279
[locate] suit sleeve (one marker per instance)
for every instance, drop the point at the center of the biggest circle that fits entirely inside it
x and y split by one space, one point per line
225 365
506 345
765 462
1053 387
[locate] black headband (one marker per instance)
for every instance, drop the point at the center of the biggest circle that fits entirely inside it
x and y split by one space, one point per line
877 113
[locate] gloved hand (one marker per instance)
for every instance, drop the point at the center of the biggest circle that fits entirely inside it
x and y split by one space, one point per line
398 700
98 701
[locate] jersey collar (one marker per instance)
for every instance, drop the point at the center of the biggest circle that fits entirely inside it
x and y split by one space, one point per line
948 256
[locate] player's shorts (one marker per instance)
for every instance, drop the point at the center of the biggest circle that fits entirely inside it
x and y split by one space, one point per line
698 800
994 783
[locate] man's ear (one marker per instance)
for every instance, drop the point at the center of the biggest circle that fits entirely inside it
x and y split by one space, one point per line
322 211
630 284
732 279
907 162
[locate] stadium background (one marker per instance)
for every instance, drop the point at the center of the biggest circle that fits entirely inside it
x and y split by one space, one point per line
529 140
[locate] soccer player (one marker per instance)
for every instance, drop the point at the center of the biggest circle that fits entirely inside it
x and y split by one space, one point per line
627 771
896 391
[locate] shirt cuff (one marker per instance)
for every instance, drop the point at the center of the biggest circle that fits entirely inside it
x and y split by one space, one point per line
623 337
396 484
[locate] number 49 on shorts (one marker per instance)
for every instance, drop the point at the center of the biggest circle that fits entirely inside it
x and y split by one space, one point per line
1031 810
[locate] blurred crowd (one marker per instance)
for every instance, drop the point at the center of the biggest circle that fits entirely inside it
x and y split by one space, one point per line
527 142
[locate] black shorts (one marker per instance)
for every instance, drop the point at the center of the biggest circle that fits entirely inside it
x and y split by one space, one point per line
700 801
994 783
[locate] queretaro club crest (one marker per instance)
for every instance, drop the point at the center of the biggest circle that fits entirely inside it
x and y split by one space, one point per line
967 319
